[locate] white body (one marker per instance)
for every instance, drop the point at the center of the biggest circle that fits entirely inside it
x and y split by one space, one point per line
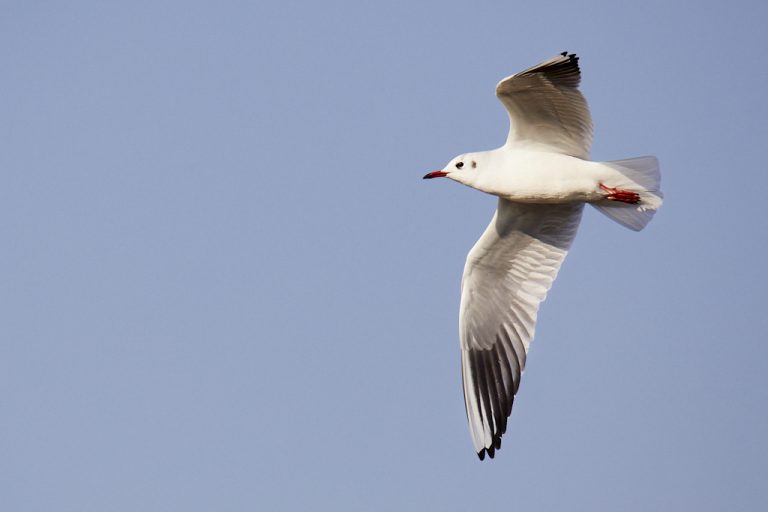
527 176
543 178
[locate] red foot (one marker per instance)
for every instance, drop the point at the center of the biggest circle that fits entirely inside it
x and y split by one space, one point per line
625 196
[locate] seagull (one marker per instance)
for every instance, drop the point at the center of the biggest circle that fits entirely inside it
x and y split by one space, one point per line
543 177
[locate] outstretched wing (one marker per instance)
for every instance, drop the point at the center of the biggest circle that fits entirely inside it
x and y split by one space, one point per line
507 275
546 108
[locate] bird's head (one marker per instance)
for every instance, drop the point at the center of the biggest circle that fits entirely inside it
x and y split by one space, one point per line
463 168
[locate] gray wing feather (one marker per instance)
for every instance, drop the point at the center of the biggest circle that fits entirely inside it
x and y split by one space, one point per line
507 274
546 108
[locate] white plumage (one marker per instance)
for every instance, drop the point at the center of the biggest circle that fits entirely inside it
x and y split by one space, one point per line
543 178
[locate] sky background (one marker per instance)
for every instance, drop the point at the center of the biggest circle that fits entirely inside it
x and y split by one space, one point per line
224 285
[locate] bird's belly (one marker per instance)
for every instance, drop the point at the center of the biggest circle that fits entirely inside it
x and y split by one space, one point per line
560 191
561 180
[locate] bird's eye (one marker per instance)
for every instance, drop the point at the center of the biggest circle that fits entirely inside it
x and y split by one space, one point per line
459 165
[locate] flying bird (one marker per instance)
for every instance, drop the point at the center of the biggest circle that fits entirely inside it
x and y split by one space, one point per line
543 177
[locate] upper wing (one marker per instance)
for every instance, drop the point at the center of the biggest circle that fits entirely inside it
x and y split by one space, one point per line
546 108
507 275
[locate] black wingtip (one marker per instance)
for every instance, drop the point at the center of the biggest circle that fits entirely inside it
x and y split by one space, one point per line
572 57
491 450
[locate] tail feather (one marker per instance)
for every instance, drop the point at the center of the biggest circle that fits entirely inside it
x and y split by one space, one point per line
639 175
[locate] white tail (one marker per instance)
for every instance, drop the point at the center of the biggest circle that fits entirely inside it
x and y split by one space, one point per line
639 175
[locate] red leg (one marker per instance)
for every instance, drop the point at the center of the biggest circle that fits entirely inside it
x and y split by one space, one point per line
625 196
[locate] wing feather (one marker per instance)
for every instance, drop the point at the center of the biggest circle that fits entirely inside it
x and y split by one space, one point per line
546 108
507 275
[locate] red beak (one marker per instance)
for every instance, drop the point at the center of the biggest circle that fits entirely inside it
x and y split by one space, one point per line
434 174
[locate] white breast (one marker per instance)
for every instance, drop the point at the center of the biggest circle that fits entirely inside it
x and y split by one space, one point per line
540 177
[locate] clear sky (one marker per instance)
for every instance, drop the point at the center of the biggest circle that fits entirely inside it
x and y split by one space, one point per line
225 286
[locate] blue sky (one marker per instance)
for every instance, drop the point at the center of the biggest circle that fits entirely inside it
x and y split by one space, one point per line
224 285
